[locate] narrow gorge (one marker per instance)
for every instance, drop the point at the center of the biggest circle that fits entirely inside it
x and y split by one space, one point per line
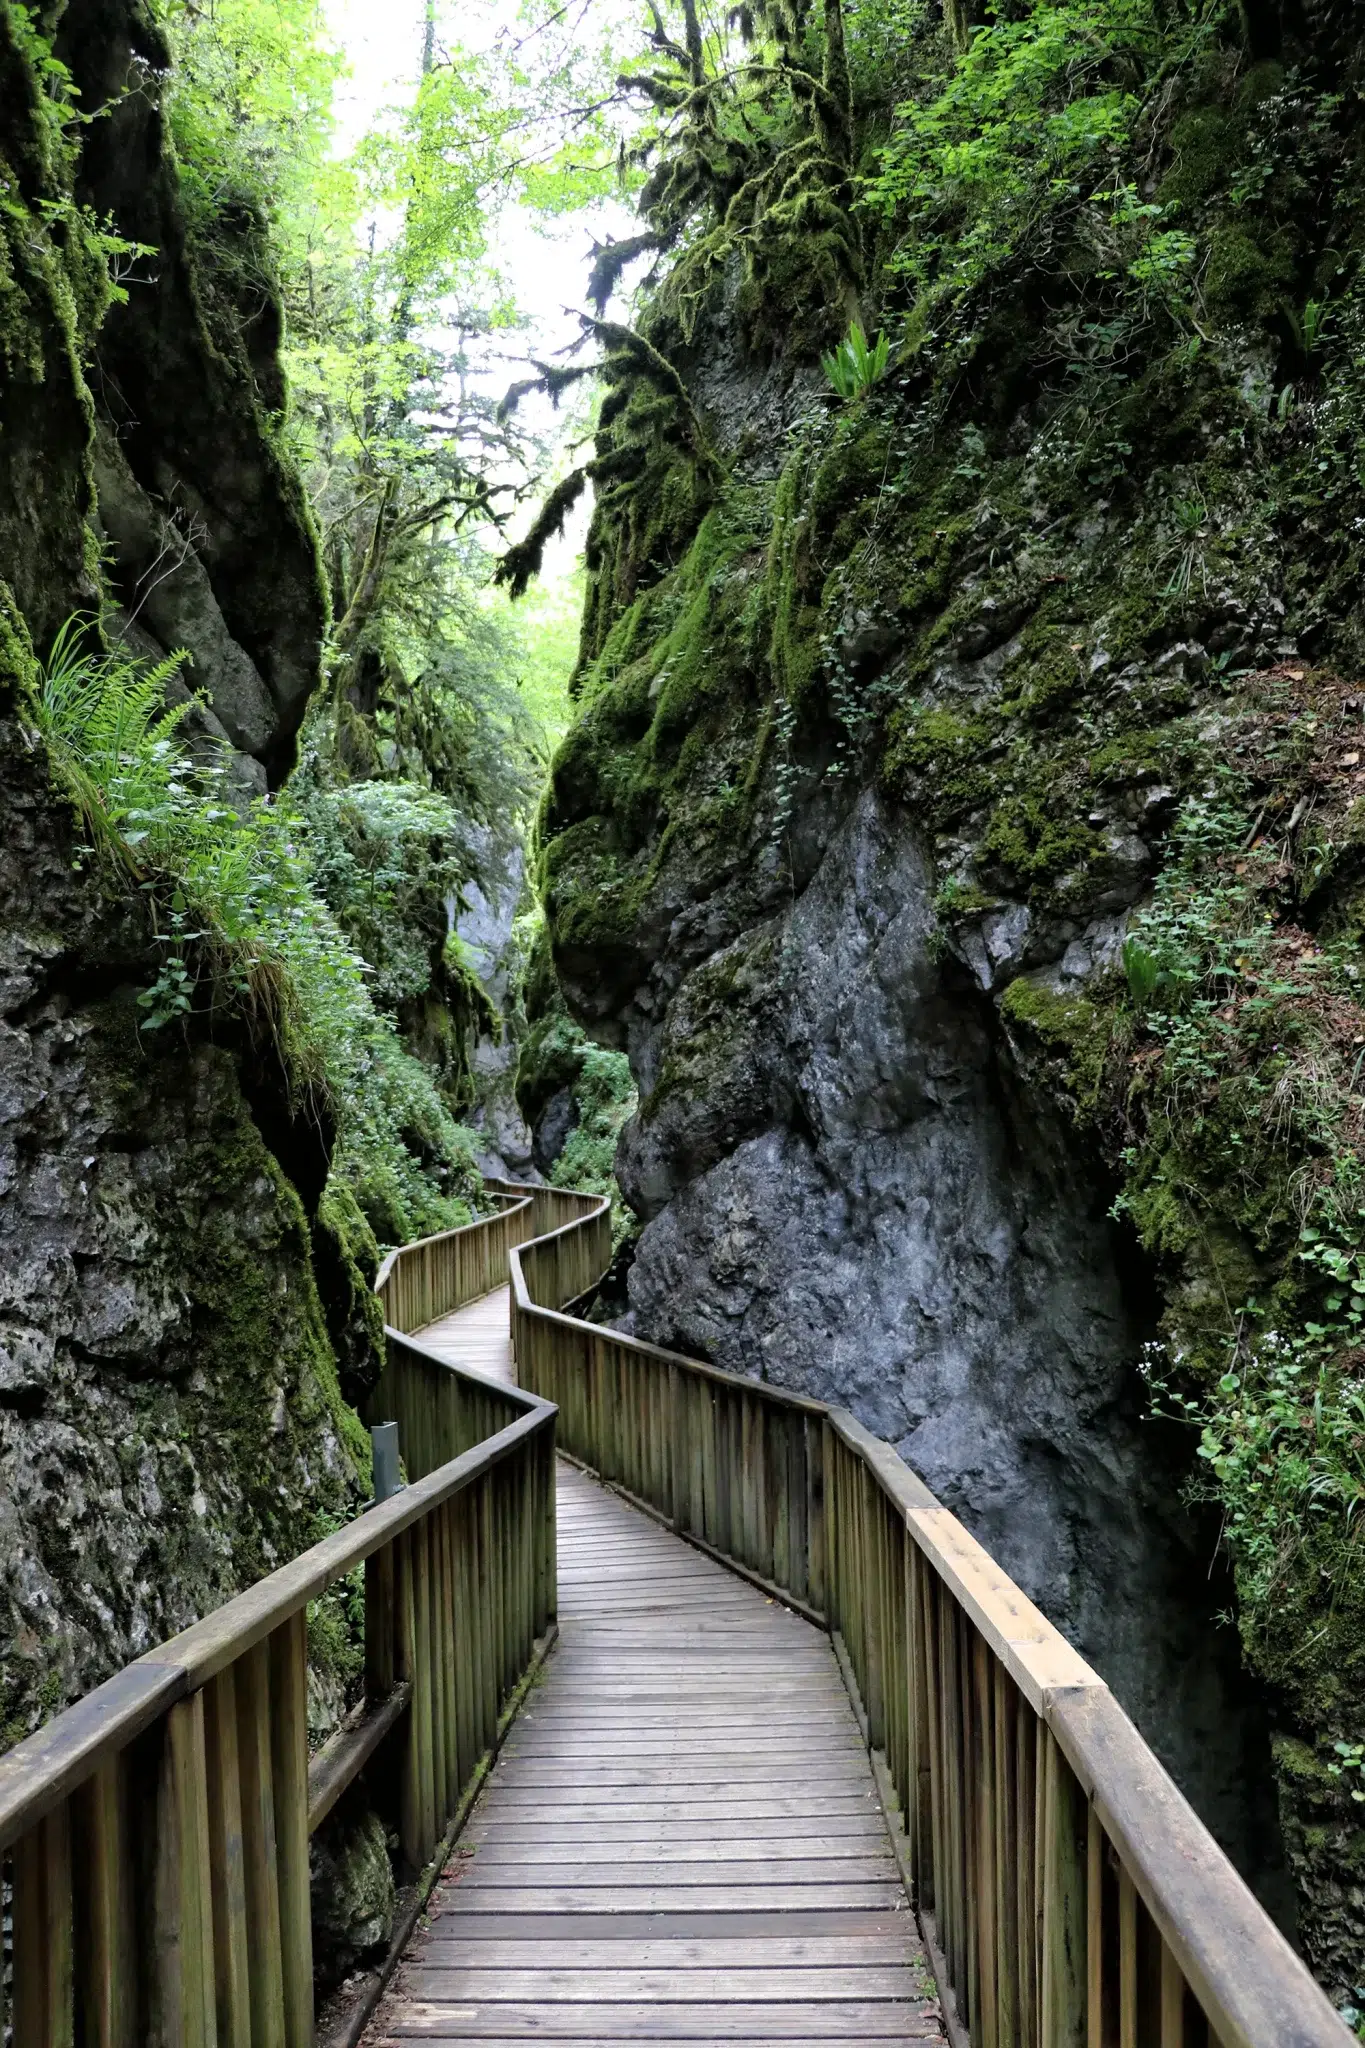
928 898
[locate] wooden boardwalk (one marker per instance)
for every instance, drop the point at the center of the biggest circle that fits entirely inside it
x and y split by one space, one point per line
681 1839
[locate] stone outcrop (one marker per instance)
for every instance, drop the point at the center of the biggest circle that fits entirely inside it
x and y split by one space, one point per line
171 1423
855 1196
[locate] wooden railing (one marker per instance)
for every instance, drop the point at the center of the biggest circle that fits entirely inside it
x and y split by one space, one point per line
426 1279
154 1837
1068 1894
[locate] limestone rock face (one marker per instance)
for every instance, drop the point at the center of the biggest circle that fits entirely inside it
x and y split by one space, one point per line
170 1422
212 549
353 1893
485 924
863 1204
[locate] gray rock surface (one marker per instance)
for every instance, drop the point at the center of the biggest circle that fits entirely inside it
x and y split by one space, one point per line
170 1424
853 1197
353 1892
486 926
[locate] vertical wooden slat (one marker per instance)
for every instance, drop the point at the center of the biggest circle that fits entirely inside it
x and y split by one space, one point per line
289 1762
488 1642
467 1750
227 1863
1026 1741
445 1772
1172 2001
986 2014
260 1861
1006 1859
1094 1930
1065 2002
1128 1961
103 1885
380 1624
183 2005
415 1665
44 1989
951 1902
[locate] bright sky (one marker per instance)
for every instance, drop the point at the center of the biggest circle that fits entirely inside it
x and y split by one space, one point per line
547 271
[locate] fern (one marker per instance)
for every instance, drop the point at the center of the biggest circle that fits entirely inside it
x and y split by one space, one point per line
853 367
112 736
240 924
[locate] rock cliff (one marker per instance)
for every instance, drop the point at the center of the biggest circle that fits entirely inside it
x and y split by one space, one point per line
959 831
171 1419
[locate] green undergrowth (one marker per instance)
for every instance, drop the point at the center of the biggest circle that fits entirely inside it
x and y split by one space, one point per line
242 932
556 1055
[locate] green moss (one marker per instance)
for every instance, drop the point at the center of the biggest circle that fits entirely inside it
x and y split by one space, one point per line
346 1263
939 761
18 670
1072 1033
1029 843
1205 144
1249 273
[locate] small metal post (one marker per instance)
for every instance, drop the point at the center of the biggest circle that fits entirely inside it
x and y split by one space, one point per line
387 1481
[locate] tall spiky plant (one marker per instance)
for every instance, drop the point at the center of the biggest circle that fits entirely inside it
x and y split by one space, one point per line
111 735
853 367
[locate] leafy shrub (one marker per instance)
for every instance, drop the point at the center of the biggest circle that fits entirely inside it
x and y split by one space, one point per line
387 857
1029 131
604 1097
241 925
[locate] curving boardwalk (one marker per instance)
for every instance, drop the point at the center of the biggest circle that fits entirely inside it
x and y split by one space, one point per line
681 1839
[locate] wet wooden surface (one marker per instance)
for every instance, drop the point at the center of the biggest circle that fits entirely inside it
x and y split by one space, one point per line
681 1839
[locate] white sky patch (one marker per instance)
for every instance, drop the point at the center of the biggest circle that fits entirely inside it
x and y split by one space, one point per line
544 263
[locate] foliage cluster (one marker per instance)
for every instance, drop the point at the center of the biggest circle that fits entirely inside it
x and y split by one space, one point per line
240 926
853 367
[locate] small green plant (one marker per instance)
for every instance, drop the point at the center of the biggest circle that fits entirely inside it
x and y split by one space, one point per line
1143 970
1351 1757
853 367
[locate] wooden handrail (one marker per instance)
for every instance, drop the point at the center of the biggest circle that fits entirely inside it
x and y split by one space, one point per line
1068 1894
154 1836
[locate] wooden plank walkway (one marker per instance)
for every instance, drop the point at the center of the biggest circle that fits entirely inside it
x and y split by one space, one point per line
681 1840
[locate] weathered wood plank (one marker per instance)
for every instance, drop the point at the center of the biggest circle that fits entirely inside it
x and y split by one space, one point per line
671 1898
498 1984
794 2020
689 1772
721 1952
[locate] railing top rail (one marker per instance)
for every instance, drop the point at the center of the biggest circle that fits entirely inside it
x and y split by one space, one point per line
41 1770
511 1201
801 1403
